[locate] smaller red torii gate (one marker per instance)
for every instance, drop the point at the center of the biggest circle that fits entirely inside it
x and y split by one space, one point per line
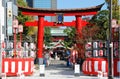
41 13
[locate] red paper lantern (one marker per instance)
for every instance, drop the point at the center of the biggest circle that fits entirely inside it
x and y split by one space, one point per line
3 45
100 52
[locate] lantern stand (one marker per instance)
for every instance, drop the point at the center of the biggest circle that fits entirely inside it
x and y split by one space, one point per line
20 30
15 26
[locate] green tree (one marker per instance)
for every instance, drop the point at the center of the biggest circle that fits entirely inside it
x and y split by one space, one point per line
28 32
70 36
95 30
47 36
101 20
115 9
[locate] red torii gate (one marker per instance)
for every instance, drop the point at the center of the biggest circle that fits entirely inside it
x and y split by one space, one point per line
79 23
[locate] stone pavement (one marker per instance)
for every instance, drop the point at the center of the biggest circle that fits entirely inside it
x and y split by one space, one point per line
58 71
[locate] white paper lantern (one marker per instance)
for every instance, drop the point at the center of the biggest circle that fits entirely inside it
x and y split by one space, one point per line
15 23
95 44
20 28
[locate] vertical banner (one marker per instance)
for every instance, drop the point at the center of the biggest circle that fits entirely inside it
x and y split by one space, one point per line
9 18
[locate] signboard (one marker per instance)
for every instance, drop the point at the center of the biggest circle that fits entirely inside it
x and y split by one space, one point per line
12 9
9 31
9 14
77 70
9 18
15 10
42 70
59 18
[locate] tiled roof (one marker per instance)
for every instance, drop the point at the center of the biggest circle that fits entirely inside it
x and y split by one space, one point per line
45 10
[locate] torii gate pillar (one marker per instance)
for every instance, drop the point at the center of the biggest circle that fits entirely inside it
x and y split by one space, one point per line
40 39
78 24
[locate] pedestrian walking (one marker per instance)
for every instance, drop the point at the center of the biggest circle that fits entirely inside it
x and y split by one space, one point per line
46 57
74 55
68 57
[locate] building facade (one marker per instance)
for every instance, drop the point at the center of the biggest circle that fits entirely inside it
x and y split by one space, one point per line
43 4
2 24
29 2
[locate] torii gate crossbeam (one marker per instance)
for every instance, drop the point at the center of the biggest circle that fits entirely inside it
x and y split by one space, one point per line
48 24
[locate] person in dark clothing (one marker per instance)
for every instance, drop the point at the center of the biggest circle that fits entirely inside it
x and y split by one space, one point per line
68 57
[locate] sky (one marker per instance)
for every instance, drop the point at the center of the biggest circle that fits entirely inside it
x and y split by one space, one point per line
78 3
66 4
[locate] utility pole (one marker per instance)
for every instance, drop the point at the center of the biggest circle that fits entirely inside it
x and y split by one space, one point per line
110 52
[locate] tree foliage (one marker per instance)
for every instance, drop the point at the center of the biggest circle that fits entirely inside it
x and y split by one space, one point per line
95 30
89 32
47 36
101 21
70 36
115 8
28 32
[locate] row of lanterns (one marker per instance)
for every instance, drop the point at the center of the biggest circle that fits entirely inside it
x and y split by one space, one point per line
28 50
15 49
116 49
95 49
98 49
95 45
